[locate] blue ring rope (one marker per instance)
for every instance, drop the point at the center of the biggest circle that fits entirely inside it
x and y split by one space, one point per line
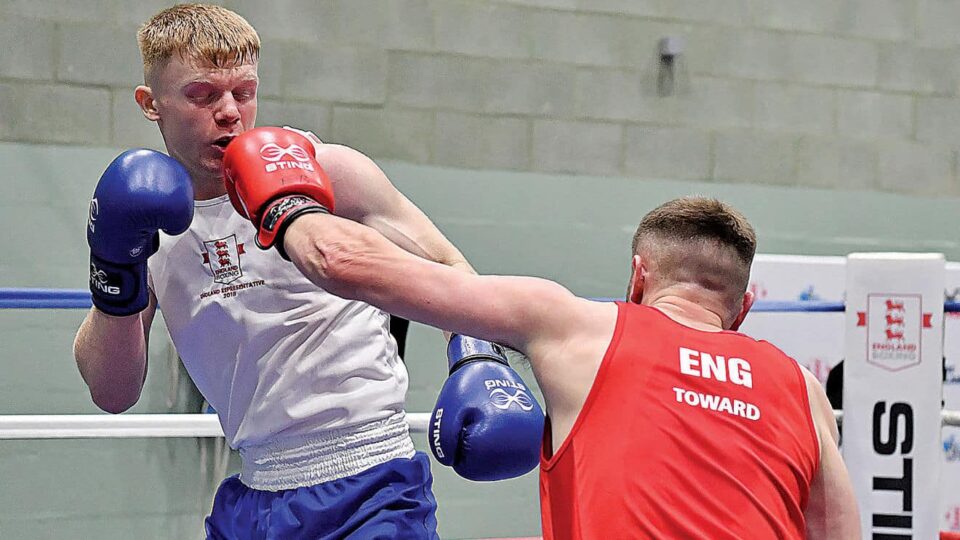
44 298
30 298
801 306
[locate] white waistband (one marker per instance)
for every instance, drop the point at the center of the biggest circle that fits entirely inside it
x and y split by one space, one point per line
306 461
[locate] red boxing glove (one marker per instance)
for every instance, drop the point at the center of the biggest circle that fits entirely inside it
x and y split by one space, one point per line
272 176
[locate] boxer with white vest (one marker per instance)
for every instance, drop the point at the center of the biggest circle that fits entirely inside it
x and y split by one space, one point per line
308 386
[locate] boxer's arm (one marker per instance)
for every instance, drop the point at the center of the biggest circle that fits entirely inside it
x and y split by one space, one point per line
534 316
832 511
111 353
366 195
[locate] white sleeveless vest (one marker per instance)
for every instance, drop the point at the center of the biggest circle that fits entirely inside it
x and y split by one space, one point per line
277 357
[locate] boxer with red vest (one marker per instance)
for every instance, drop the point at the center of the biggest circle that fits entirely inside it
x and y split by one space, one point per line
663 420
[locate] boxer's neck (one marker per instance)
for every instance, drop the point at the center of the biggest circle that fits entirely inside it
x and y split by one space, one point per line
205 187
689 307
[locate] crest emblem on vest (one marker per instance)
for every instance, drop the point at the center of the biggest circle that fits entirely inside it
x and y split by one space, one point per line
222 256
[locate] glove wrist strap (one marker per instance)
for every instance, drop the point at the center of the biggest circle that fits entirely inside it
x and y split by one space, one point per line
279 215
118 289
462 350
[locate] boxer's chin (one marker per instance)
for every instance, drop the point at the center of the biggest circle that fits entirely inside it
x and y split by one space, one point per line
212 163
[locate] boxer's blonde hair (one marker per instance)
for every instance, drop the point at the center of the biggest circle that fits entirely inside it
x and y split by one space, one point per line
198 32
699 241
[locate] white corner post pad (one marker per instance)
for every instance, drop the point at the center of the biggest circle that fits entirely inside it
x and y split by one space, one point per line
892 391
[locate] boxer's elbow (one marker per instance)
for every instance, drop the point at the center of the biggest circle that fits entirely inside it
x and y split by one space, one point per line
111 356
107 392
113 396
332 266
114 402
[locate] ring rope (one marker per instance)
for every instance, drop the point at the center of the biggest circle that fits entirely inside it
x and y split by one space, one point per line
127 426
78 426
45 298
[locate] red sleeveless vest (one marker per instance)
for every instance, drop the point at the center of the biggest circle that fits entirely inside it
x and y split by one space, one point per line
684 434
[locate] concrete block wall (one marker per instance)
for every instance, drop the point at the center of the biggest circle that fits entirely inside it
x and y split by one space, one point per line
844 94
823 96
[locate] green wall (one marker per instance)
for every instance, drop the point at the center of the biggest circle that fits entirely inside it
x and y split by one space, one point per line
573 229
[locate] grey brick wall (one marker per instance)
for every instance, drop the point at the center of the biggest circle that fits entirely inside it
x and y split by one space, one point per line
769 95
570 86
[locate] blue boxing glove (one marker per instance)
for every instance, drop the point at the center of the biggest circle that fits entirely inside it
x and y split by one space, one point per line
486 424
141 192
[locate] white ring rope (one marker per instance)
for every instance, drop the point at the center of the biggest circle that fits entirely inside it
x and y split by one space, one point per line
947 417
126 426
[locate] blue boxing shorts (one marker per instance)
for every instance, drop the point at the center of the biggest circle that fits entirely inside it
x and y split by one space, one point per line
392 500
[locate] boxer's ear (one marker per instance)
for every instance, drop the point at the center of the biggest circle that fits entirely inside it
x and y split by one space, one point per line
748 299
144 96
637 278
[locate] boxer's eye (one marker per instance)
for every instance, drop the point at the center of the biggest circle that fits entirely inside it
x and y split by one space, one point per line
244 95
201 92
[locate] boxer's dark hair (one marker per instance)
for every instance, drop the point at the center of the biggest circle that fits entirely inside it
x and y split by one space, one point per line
700 240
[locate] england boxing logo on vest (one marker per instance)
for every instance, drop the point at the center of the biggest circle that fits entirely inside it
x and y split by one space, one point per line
222 256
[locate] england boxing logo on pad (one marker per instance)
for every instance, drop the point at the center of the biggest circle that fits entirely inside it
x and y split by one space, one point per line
274 155
894 330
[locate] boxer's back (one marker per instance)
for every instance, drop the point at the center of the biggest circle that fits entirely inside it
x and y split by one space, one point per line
685 434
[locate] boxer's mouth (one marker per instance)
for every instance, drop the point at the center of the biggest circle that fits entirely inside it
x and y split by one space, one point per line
222 142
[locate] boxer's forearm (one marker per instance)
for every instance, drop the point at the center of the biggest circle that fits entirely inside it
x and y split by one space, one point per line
324 246
414 233
464 266
111 354
356 262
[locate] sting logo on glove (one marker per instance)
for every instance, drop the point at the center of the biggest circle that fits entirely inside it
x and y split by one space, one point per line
437 445
94 210
502 400
99 279
274 153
